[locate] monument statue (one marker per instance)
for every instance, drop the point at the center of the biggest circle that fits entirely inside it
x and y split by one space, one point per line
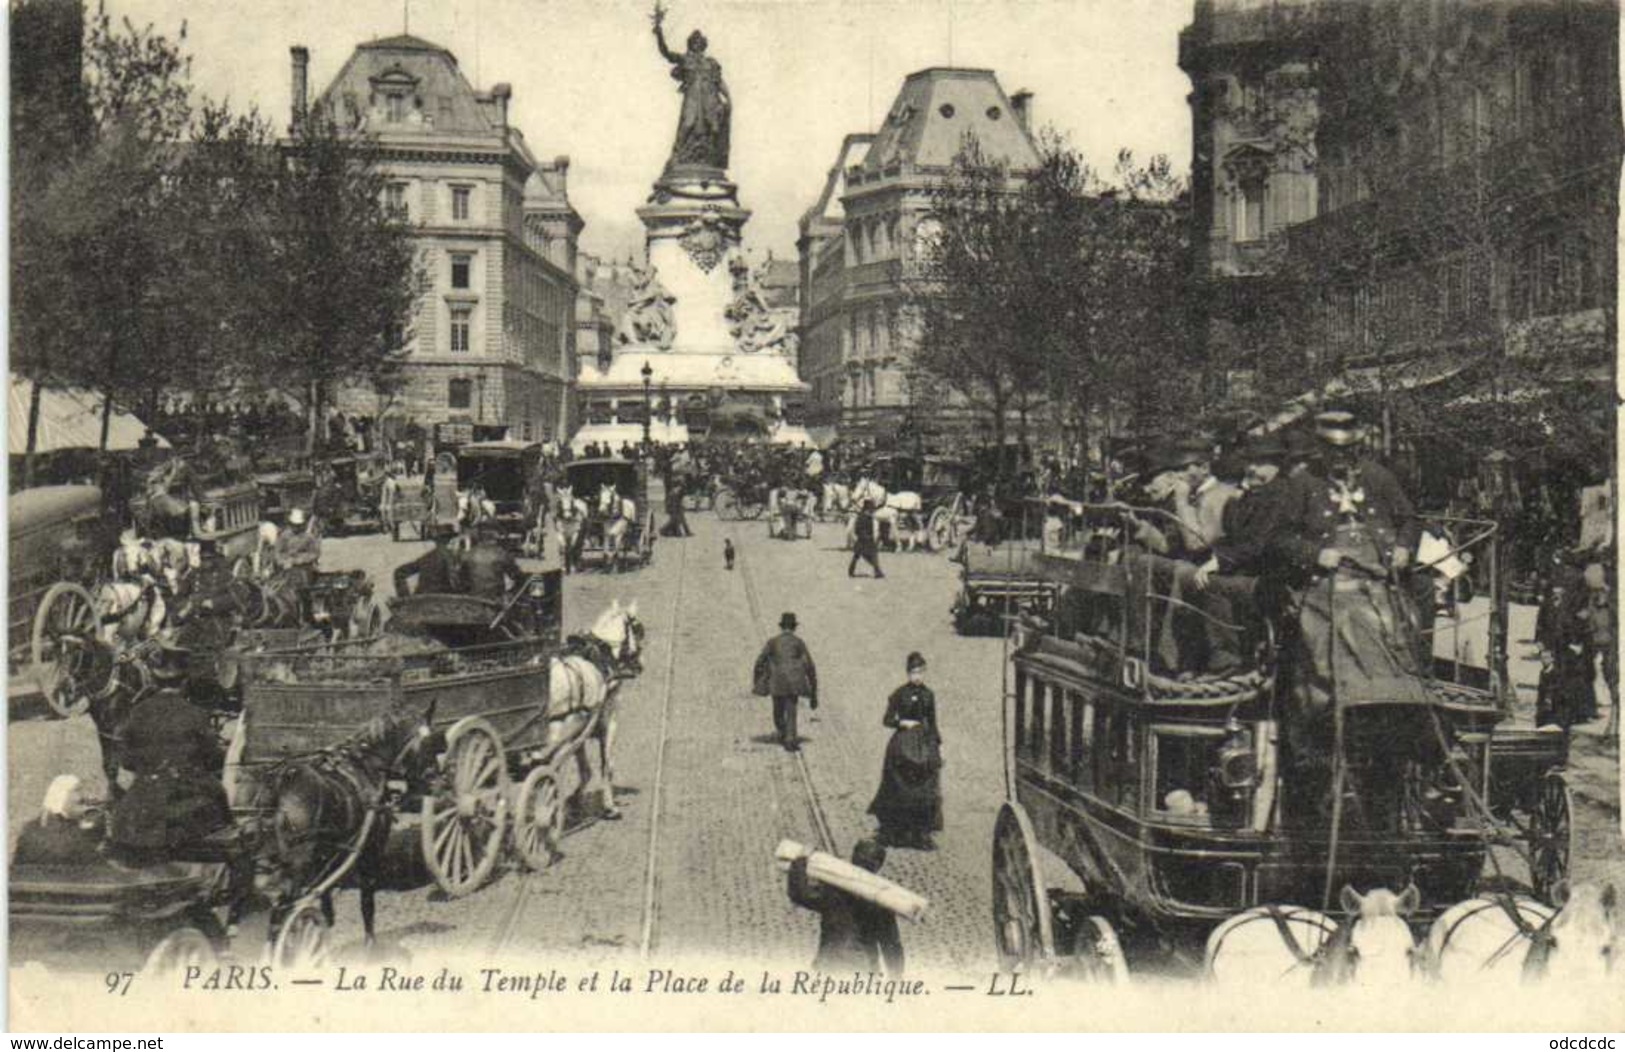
702 127
648 319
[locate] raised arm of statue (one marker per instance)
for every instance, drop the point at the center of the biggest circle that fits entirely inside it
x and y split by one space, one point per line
658 17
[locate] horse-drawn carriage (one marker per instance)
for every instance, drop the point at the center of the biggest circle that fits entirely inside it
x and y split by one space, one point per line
1000 582
499 485
605 514
282 491
508 703
741 498
1233 807
347 500
917 501
60 539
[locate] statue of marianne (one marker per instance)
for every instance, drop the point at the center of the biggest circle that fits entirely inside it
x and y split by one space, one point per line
702 127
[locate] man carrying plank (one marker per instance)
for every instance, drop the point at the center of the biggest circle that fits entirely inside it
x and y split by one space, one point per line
855 931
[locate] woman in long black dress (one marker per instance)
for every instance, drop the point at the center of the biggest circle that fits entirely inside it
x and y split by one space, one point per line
909 802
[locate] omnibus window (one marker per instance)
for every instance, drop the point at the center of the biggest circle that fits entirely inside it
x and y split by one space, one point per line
1035 747
1124 742
1057 730
1101 751
1075 757
1184 761
1020 706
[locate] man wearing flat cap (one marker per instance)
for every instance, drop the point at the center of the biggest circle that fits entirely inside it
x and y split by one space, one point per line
785 672
854 934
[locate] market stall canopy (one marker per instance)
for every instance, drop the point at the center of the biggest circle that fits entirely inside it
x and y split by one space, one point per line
69 418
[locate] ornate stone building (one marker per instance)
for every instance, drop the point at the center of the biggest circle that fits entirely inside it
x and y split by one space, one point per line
860 242
1401 201
493 347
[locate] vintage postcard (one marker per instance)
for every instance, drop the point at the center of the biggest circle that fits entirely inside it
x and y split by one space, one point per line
814 515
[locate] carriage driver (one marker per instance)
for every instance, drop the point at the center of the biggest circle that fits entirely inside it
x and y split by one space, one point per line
298 549
488 566
439 570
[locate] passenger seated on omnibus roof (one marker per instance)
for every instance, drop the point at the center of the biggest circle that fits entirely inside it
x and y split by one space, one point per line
67 833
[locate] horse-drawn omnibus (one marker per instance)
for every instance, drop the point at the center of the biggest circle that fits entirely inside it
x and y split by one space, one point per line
1185 804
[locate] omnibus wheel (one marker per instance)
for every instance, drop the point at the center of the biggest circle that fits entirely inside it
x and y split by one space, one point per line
1023 928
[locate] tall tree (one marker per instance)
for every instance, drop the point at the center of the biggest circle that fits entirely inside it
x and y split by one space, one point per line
1056 289
344 276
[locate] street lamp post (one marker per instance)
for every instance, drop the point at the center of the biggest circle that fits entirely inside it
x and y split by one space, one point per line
648 406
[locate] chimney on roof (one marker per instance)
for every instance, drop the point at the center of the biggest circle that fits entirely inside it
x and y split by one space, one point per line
501 93
1022 103
301 77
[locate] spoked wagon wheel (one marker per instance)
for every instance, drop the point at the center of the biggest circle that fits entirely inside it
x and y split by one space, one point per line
538 819
65 619
727 505
939 532
1022 926
462 826
302 942
366 620
1551 835
1097 954
181 949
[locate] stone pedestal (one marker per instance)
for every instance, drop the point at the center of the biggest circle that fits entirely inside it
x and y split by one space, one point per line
694 225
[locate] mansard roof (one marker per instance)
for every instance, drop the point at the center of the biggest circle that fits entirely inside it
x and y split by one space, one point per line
853 149
936 108
447 103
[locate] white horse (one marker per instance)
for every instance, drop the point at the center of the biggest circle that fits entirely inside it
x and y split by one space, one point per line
888 509
1510 939
569 517
616 513
1289 946
837 498
585 680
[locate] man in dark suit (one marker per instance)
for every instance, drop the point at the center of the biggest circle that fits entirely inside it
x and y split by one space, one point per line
171 747
488 567
863 541
438 570
785 671
853 933
1262 535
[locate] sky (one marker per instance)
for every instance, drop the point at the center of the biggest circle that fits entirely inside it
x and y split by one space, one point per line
588 82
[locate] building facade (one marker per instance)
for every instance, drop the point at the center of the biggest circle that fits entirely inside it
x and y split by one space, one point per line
861 244
1399 202
492 347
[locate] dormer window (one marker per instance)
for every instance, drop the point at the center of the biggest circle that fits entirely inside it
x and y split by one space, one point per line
395 91
395 108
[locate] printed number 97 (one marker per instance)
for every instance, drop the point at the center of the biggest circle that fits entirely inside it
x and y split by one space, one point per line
118 982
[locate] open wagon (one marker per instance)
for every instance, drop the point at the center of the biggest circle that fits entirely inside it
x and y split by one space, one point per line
60 539
1179 800
482 671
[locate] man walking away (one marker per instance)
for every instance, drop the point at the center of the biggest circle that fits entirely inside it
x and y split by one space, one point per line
863 541
853 934
785 672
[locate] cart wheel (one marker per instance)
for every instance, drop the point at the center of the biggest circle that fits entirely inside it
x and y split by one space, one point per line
751 510
1097 954
180 949
242 568
1022 926
1551 835
538 818
302 942
462 829
939 532
727 506
66 617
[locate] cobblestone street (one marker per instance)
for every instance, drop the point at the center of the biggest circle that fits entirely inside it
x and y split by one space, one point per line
706 793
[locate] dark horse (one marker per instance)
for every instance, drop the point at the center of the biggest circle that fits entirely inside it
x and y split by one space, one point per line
331 814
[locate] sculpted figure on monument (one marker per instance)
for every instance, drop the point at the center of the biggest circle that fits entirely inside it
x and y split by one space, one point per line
702 127
751 320
649 319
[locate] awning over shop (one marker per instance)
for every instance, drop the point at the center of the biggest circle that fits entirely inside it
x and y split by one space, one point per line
69 419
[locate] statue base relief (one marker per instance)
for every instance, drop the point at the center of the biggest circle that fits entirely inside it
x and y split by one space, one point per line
694 226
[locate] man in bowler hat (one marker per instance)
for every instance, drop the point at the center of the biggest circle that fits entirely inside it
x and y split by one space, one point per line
785 671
